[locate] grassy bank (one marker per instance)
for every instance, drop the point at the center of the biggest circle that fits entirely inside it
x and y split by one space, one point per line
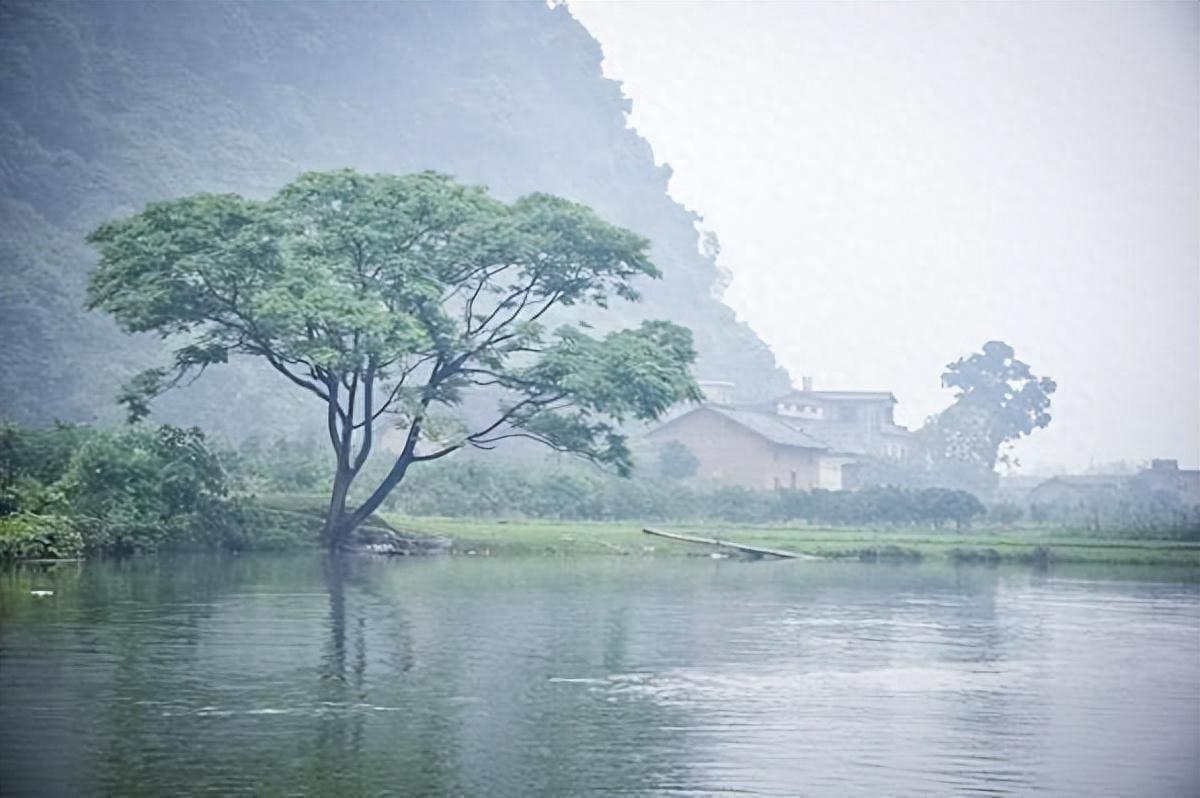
564 538
79 491
617 538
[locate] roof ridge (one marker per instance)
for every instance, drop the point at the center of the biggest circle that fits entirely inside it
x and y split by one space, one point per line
804 439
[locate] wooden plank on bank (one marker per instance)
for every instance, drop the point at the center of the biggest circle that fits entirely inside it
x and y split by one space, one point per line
757 551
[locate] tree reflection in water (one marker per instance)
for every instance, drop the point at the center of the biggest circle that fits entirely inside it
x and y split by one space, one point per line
540 677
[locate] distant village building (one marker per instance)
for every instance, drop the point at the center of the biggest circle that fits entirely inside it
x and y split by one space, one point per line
1077 490
859 422
1162 477
718 392
805 439
1167 477
745 447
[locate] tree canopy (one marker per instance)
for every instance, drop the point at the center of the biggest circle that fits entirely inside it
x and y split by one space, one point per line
386 297
997 400
1016 400
211 106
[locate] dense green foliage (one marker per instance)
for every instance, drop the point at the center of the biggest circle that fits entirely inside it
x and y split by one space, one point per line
469 488
28 536
473 489
477 490
71 489
388 298
108 105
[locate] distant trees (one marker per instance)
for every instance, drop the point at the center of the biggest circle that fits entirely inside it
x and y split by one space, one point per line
478 489
67 489
385 298
1005 513
676 461
997 400
1132 509
883 504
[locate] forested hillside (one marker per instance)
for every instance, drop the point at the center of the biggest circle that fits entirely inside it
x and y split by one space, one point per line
105 106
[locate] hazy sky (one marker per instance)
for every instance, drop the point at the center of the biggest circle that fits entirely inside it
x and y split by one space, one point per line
894 184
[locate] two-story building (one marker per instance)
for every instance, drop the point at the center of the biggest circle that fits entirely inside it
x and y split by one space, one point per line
856 422
805 439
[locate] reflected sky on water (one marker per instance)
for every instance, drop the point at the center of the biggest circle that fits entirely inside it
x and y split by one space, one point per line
527 677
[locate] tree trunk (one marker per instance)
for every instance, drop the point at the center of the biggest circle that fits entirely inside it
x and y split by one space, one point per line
338 523
341 523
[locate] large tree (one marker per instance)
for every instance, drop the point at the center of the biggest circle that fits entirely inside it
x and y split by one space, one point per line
997 400
386 297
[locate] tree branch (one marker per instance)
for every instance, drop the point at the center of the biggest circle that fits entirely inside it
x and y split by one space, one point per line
422 458
331 420
368 419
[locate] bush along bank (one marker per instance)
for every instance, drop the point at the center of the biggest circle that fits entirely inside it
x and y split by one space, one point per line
69 490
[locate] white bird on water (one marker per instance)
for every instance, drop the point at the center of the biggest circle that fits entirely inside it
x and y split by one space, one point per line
41 593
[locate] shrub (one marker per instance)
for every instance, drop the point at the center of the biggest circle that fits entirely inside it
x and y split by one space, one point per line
1005 513
281 465
135 489
676 461
25 536
132 490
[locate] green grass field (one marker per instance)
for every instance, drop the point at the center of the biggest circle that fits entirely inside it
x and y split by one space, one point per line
615 538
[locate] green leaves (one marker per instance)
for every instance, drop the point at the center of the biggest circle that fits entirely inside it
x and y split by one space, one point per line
341 267
628 374
578 433
387 295
581 256
181 264
137 394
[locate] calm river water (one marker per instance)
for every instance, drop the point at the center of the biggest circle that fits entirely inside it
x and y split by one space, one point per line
547 677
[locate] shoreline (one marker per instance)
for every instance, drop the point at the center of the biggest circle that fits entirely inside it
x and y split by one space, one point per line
1032 547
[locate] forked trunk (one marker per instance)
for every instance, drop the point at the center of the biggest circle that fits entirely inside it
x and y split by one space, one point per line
340 523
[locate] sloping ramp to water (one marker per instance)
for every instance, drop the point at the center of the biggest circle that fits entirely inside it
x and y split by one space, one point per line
754 551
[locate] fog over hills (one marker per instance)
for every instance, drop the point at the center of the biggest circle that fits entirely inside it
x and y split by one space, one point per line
105 106
896 183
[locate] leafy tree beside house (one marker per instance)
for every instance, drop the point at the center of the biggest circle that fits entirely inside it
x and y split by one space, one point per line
997 400
387 298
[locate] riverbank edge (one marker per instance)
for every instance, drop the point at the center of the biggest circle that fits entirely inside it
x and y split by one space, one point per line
294 525
491 537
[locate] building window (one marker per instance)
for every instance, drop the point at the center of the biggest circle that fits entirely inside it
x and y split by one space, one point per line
847 413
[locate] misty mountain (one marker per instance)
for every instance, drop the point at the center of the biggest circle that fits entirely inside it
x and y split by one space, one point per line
105 106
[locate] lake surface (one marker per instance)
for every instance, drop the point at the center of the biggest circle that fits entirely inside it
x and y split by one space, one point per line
553 677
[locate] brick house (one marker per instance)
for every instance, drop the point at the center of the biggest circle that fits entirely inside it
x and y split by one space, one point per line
746 447
805 439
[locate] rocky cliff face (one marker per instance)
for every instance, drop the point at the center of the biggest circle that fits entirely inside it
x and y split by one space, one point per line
105 106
